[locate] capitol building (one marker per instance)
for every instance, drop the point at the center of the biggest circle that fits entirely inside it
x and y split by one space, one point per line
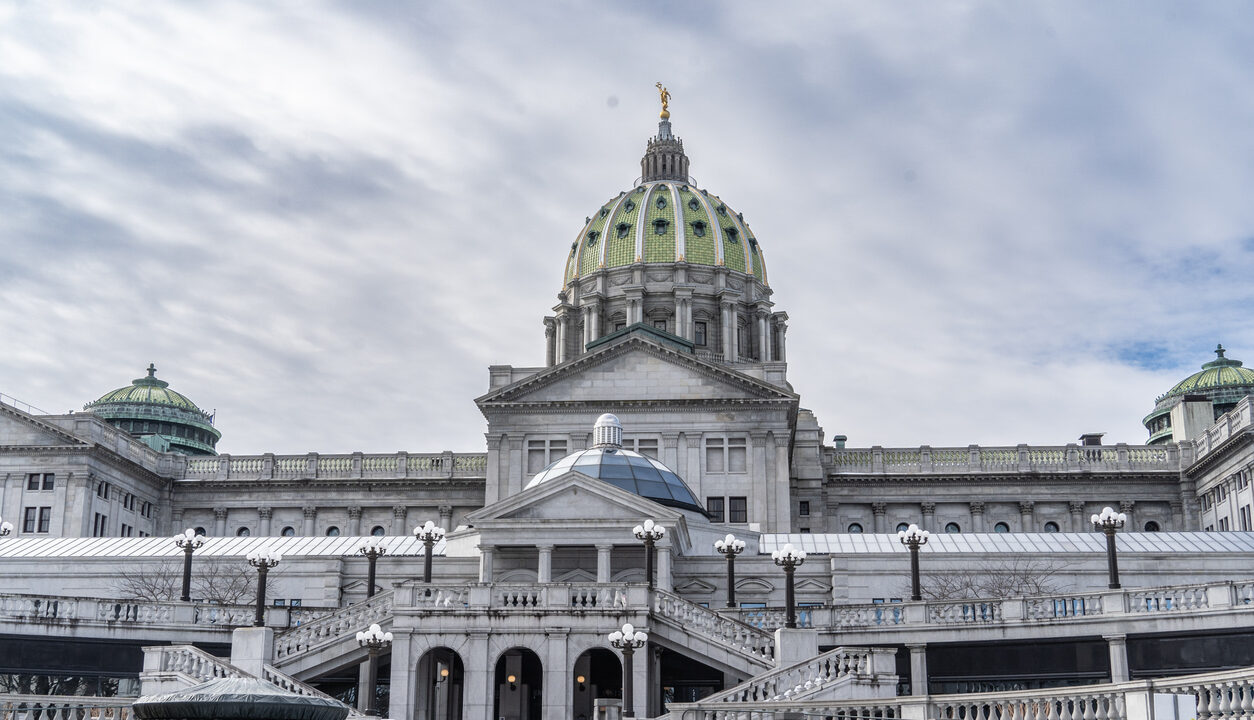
664 404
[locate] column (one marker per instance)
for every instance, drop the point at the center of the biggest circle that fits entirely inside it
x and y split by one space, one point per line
928 510
1128 506
354 520
559 338
402 698
664 581
781 331
485 563
878 510
918 669
480 674
219 521
398 520
783 481
1027 522
728 332
670 450
515 464
1076 508
603 563
977 517
446 517
544 565
1177 516
1118 645
176 519
762 501
264 514
493 487
311 514
556 693
550 344
760 321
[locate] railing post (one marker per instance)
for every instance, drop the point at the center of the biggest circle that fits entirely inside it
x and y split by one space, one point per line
877 459
402 464
918 669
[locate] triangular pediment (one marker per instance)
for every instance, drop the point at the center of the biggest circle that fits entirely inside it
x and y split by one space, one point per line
19 429
633 368
751 586
573 497
810 584
694 586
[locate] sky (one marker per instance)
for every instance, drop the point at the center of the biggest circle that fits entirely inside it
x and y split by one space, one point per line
991 223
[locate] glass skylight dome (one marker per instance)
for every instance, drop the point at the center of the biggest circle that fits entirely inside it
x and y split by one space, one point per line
607 461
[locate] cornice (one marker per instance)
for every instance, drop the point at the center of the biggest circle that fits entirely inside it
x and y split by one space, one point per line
1223 452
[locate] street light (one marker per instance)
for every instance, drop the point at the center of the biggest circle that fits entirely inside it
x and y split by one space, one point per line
428 534
1109 522
190 541
730 547
6 527
789 558
373 548
374 640
628 640
263 559
650 533
914 538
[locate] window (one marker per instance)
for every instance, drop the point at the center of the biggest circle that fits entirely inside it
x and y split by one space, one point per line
738 509
32 481
660 325
243 532
1152 526
1223 524
659 226
644 446
288 531
698 228
952 528
623 229
715 507
102 491
902 527
726 455
1051 527
378 531
542 452
45 519
1245 517
333 531
1001 528
127 531
804 531
200 531
698 333
99 525
28 521
803 508
855 528
619 326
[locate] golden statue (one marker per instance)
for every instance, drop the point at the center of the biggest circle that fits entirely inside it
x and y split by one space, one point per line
666 101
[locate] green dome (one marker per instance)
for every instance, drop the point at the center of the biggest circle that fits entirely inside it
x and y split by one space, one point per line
1224 381
161 417
665 221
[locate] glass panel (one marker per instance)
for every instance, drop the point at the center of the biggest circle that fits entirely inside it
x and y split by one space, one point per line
647 473
639 461
615 471
654 489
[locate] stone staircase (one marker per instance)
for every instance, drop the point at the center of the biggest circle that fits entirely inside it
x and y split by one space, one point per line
331 640
701 632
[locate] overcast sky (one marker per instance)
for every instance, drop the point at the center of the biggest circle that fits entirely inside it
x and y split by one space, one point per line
989 223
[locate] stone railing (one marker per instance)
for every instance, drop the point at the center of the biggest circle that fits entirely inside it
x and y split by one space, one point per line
529 597
282 680
724 631
193 662
1021 458
1227 425
51 609
64 707
810 676
354 465
332 627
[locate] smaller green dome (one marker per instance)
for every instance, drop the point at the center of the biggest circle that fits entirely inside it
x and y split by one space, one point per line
1217 376
165 419
148 390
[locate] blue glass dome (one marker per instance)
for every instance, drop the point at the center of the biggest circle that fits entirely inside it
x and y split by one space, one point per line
628 470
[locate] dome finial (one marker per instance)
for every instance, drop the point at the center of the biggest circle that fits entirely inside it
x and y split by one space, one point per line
607 432
1219 350
152 370
665 96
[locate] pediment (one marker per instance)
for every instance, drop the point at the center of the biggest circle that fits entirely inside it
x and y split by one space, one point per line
753 585
634 368
694 586
572 497
18 429
810 584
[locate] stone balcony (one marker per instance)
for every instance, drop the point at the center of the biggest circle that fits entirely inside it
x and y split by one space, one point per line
974 459
401 465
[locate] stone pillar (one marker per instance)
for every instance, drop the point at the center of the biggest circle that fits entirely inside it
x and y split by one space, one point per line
176 519
1078 521
1027 520
485 563
311 515
761 499
480 671
556 690
764 354
977 517
670 450
729 331
928 510
781 334
398 520
446 517
559 338
1118 645
252 648
219 521
515 464
664 575
550 344
493 486
878 509
354 520
1177 516
603 563
1128 507
402 699
783 499
544 565
264 514
918 669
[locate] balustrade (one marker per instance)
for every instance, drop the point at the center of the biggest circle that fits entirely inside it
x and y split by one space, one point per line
1168 599
64 707
955 613
334 626
356 465
192 662
726 632
795 682
1054 458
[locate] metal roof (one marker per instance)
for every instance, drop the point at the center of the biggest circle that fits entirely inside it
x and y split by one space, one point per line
129 547
1052 543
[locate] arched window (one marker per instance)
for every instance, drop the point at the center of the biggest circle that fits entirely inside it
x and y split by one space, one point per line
902 527
1152 526
288 531
243 532
855 528
200 531
952 528
333 531
378 531
1051 527
1001 528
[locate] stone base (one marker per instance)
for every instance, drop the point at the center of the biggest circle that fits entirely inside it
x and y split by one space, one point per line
795 645
251 648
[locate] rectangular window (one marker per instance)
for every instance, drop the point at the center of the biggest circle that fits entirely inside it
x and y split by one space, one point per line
45 519
1245 517
542 452
126 530
698 334
738 509
660 325
49 481
619 326
32 481
714 455
28 519
737 455
99 525
805 531
647 446
1223 524
715 507
803 508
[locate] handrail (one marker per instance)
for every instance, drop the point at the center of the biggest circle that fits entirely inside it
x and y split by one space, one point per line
332 627
726 632
65 707
1000 460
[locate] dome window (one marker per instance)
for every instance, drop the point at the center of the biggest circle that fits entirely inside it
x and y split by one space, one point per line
662 187
683 188
640 189
952 528
693 205
698 229
592 237
1001 527
722 209
604 212
659 226
574 246
629 206
730 234
661 202
753 243
623 229
1051 527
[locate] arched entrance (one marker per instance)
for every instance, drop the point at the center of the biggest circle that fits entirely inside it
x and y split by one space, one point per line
441 678
519 692
598 673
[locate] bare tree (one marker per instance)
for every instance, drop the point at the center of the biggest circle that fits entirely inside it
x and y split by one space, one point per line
995 579
150 582
225 581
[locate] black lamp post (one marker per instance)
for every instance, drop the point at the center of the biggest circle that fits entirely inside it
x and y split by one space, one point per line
189 541
1110 522
650 532
374 640
428 534
262 559
790 558
730 547
373 548
628 640
6 527
914 538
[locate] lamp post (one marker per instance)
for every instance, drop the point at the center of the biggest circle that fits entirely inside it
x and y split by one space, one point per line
374 640
373 548
914 538
190 541
789 558
428 534
730 547
628 640
650 532
1109 522
263 559
6 527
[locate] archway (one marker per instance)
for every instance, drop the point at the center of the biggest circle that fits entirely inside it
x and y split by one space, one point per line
519 691
598 673
441 679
